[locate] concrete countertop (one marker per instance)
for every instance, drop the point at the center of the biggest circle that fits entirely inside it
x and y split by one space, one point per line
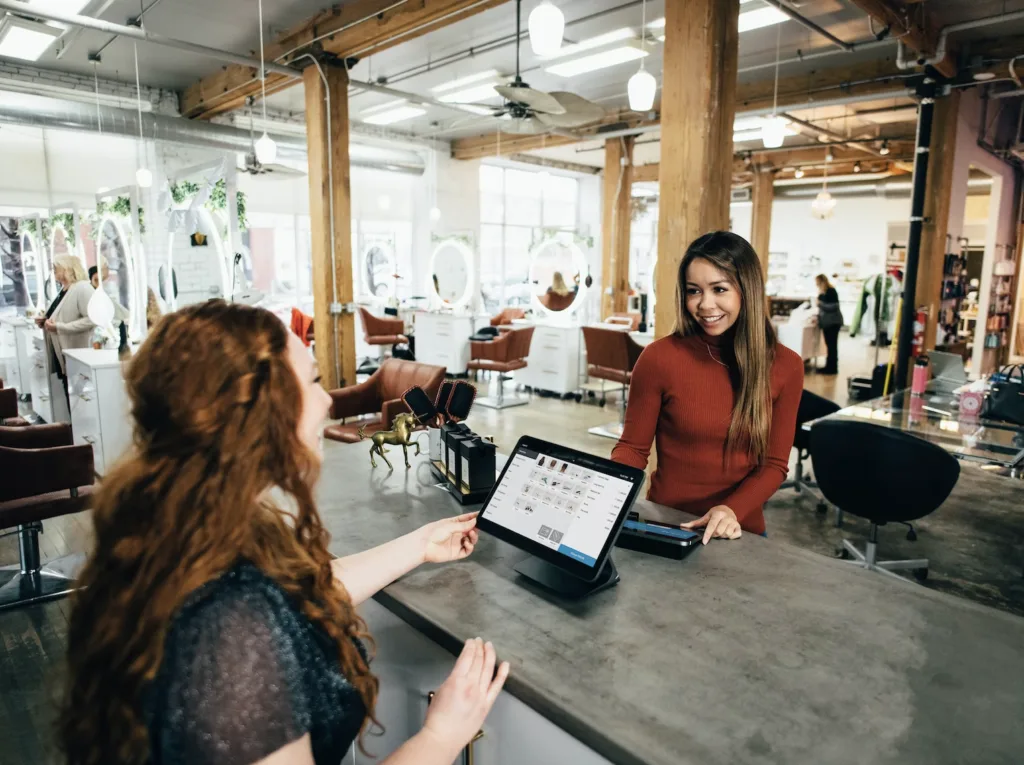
750 651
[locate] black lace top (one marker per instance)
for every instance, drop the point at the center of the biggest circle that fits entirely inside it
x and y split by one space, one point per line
244 673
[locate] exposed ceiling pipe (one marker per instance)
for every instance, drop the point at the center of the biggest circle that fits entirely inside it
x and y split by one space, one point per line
806 22
88 22
413 98
801 58
53 114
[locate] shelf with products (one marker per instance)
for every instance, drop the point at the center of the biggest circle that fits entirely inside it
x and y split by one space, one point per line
1000 306
954 292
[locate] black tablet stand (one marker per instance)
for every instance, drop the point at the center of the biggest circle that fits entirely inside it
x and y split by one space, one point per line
553 578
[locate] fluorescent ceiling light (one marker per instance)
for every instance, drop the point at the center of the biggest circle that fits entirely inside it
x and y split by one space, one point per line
756 19
596 61
469 95
462 82
391 116
618 35
755 135
63 6
25 40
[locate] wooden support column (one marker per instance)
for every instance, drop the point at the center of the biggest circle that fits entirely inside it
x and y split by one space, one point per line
615 224
934 244
329 176
763 194
698 104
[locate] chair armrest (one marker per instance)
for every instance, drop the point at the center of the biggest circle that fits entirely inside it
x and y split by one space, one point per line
391 409
8 403
354 400
491 350
37 436
30 472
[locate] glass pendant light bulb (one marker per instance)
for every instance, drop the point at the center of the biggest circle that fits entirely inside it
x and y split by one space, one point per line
641 89
101 308
773 132
546 25
435 214
144 178
266 150
823 204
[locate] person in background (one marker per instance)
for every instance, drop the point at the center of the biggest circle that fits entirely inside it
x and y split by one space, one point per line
558 296
67 321
120 312
830 321
213 626
718 397
153 310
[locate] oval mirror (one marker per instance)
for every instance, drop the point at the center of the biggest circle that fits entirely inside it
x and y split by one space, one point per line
451 273
378 270
32 268
116 273
556 276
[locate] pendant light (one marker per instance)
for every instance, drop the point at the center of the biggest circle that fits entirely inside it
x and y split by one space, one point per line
266 149
546 25
642 86
773 129
824 203
143 176
435 211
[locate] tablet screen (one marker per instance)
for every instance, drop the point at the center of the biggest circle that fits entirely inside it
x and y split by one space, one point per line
567 507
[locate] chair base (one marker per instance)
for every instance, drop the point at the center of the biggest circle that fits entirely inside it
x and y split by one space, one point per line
33 582
500 402
611 430
868 560
799 484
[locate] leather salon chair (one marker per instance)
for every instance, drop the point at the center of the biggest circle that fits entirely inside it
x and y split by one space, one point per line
44 476
382 393
881 475
382 333
507 316
812 407
630 320
611 355
9 407
503 355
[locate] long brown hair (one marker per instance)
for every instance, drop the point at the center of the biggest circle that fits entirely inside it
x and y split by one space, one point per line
753 339
216 406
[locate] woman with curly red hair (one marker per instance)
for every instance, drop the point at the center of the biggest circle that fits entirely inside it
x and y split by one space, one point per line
214 626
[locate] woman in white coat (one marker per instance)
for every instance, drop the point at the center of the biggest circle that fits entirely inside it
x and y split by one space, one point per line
68 325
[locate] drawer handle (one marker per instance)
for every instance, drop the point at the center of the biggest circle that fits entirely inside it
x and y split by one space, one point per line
89 440
83 397
553 347
43 398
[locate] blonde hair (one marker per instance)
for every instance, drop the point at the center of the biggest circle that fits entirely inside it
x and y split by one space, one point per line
72 268
753 345
822 281
558 285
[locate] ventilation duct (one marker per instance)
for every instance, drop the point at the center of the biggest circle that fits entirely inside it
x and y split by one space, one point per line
28 110
889 188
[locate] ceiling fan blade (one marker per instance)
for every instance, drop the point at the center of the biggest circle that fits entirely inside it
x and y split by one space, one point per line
537 100
578 107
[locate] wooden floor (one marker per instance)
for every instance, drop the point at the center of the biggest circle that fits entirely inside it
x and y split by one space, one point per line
973 543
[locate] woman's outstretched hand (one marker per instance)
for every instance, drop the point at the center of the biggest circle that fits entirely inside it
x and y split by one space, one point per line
449 539
719 522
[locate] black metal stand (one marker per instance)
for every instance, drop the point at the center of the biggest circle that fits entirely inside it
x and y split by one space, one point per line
33 581
563 583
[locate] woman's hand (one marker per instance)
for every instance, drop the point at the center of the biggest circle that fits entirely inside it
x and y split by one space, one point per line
719 522
449 539
50 326
461 704
40 321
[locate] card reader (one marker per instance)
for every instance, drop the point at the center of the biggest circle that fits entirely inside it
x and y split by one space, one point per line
656 538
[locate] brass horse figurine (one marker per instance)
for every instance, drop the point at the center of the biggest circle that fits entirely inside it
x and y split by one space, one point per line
401 433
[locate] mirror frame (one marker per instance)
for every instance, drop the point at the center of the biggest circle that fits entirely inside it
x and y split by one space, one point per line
129 253
579 261
468 255
39 299
388 250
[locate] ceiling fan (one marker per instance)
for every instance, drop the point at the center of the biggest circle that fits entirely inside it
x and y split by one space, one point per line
534 111
254 167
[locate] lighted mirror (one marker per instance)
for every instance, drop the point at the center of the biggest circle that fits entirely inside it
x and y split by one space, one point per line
378 270
197 250
117 272
451 273
33 267
556 276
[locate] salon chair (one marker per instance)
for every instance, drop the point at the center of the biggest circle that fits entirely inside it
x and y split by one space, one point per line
382 393
881 475
507 316
812 407
9 407
503 355
611 355
44 476
382 333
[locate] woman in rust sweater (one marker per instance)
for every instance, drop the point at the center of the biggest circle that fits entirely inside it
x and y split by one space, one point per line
718 397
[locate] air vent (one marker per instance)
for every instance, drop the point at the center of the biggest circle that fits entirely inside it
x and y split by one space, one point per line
740 195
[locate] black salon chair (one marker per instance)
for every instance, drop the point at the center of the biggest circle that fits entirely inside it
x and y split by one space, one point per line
881 475
812 407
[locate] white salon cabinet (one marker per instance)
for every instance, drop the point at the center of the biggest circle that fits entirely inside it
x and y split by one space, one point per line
443 339
410 665
554 360
47 390
99 404
10 371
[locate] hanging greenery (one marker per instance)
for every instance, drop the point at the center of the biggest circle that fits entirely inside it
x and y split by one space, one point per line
67 222
121 206
185 190
539 236
467 239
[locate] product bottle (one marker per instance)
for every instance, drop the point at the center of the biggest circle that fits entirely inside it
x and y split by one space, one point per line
920 379
124 351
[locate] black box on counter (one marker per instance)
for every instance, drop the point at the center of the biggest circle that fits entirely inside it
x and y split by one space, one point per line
477 465
448 431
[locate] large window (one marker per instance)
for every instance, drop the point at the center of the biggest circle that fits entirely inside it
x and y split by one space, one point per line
516 207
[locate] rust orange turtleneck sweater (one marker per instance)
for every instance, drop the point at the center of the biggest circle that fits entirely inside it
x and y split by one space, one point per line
681 398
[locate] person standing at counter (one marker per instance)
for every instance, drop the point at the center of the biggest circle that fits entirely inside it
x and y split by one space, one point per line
67 323
830 321
214 626
718 397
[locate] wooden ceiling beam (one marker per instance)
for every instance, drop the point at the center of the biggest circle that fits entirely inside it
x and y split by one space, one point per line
352 29
914 26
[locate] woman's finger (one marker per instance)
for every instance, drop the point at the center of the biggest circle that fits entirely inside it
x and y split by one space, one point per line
736 533
497 683
712 528
487 670
702 521
465 659
478 659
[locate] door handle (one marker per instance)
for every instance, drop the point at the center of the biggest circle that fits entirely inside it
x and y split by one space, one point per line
467 753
